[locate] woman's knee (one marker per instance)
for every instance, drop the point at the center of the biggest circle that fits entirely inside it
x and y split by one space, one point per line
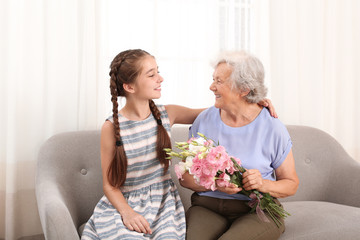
205 224
251 227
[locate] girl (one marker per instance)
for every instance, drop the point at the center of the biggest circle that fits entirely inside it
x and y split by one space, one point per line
140 201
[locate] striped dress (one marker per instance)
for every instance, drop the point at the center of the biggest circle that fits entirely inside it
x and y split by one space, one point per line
147 189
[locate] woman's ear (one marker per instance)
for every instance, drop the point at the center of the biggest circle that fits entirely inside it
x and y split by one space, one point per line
128 88
244 92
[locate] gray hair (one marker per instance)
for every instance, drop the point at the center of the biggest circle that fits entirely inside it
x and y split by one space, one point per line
248 73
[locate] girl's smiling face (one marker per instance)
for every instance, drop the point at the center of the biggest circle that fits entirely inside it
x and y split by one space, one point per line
148 83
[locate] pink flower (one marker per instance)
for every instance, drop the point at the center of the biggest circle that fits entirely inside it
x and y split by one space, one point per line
180 169
223 180
210 163
208 182
209 169
218 157
197 167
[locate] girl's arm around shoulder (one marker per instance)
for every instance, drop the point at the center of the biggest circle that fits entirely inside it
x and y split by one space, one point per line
181 114
132 220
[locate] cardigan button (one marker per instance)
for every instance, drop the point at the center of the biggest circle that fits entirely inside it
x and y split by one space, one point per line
83 171
307 160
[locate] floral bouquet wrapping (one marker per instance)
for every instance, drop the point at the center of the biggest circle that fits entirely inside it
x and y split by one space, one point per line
211 166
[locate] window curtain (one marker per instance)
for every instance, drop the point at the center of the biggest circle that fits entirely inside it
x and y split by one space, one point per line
314 57
49 84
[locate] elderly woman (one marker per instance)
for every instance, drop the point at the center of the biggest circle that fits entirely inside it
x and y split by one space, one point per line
248 132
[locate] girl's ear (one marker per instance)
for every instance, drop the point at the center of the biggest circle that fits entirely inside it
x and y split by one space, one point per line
128 88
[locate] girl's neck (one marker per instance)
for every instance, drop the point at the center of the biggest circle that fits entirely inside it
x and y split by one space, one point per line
136 110
241 114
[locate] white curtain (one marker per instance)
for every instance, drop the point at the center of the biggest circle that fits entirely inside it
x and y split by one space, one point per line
49 84
314 57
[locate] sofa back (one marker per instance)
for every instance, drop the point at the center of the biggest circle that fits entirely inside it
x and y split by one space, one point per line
318 159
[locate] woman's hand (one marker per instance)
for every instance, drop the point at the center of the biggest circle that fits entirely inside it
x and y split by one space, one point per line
232 189
135 222
252 179
268 104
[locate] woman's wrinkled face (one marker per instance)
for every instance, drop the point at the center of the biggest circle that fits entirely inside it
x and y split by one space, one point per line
221 86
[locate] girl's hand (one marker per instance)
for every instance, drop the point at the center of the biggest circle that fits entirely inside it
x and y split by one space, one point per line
252 179
267 103
136 222
232 189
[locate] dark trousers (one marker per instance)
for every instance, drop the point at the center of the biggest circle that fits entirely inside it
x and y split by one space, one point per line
226 219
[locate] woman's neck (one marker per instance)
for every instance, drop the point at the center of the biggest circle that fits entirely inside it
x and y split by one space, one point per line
136 110
240 114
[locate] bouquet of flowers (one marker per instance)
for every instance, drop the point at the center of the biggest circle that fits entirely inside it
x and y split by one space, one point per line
211 166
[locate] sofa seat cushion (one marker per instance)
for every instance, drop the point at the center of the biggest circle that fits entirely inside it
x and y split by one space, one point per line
321 220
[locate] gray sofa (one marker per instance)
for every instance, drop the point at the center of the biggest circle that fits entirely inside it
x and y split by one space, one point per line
326 205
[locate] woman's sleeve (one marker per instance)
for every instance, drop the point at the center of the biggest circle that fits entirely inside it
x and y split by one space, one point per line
283 145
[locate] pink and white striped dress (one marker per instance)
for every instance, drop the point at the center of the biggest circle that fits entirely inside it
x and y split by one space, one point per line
147 189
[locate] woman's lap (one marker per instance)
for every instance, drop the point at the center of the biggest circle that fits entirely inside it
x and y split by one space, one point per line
251 227
211 218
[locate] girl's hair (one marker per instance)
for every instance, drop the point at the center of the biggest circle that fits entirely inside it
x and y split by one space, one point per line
125 68
248 73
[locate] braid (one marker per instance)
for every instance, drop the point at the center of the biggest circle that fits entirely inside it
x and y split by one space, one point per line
118 167
113 90
154 110
163 139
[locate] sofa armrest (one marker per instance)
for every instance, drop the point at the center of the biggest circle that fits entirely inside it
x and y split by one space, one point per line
344 182
54 213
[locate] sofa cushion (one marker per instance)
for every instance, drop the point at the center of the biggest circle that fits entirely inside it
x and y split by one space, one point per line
321 220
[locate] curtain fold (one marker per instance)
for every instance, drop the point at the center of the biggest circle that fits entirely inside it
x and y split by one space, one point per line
49 84
314 61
